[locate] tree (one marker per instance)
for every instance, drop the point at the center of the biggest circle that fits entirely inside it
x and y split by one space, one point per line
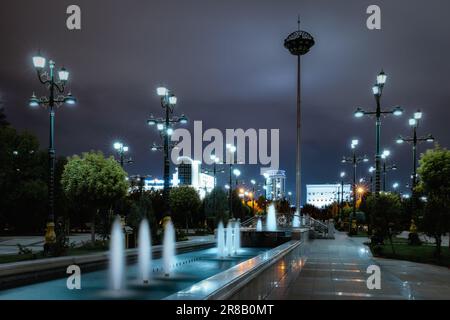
97 182
185 203
283 206
434 172
23 182
384 216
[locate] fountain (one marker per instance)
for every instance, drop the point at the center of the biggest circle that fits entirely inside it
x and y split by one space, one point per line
168 248
237 236
145 251
220 240
259 225
229 238
271 222
296 220
117 256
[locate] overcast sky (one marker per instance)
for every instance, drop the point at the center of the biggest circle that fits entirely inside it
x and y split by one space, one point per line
226 62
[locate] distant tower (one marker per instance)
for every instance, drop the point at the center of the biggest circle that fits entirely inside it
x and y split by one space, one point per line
298 43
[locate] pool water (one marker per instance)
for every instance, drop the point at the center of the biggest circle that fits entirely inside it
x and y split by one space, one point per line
190 268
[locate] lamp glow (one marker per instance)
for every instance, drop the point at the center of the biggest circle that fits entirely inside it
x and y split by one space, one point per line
418 115
70 99
160 126
376 90
39 62
381 78
412 122
63 74
161 91
359 113
34 101
398 111
173 100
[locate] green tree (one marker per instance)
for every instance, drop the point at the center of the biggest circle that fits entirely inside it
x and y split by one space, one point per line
96 181
384 215
185 203
23 182
434 172
216 206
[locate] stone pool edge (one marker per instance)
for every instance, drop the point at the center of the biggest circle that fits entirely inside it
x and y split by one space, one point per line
205 290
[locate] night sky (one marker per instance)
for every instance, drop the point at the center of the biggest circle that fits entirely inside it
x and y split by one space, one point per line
226 63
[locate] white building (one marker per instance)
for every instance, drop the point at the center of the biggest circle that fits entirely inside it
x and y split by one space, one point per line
275 184
189 173
322 195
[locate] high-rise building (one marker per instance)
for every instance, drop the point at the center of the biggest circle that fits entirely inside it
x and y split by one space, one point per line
275 184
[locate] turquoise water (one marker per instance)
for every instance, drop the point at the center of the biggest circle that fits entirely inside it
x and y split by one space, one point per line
191 267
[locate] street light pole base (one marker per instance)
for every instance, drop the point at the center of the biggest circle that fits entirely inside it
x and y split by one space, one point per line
50 235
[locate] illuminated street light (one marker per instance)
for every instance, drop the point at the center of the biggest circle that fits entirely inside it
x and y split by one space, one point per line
54 85
397 111
165 127
354 160
414 140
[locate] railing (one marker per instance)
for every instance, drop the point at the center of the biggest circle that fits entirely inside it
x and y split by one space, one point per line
285 221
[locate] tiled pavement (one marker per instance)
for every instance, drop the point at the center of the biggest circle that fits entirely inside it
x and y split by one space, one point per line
336 269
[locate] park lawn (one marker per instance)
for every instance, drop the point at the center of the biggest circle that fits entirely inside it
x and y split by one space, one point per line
422 254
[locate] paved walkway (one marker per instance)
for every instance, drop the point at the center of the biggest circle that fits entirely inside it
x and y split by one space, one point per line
336 269
8 245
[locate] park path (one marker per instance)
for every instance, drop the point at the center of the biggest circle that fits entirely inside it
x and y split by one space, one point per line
336 269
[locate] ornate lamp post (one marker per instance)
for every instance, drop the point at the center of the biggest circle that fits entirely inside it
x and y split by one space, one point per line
341 204
377 90
253 182
414 140
216 161
354 160
165 127
56 86
298 43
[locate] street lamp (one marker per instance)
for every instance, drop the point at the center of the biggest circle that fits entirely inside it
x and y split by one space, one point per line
386 168
414 140
298 43
215 160
231 149
165 127
341 206
377 90
55 85
353 160
253 182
